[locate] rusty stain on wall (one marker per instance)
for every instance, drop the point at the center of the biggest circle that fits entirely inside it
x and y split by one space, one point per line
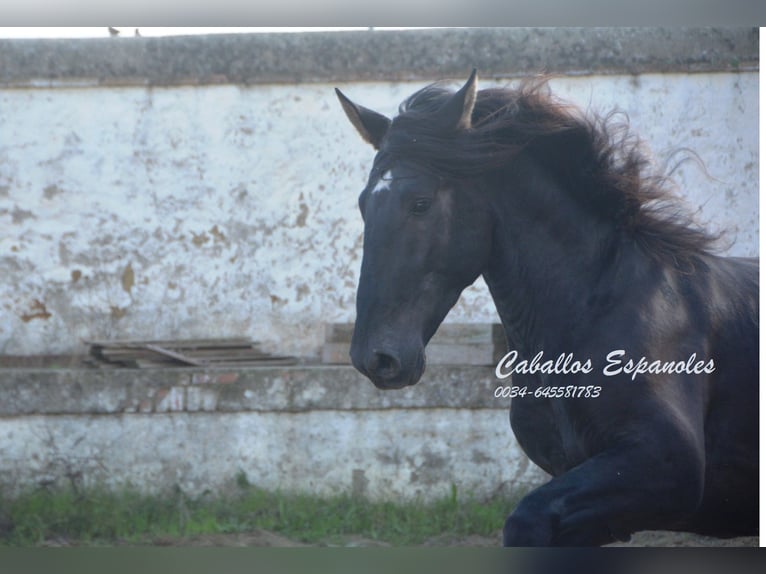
217 234
117 312
20 215
128 278
37 311
52 191
200 240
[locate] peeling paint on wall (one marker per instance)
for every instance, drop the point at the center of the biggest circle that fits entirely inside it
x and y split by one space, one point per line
38 310
128 279
231 211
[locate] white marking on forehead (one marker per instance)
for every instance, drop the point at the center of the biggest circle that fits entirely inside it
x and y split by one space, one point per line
383 183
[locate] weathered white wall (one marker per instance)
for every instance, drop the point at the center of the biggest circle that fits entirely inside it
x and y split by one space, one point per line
319 429
396 454
226 210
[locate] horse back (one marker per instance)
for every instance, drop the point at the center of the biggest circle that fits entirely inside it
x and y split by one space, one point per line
732 420
733 332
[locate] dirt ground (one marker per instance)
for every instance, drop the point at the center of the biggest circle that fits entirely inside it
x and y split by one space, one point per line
264 538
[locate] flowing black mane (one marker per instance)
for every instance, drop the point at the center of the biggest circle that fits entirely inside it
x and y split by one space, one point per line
601 163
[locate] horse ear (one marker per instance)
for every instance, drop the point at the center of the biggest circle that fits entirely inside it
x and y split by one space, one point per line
371 125
458 109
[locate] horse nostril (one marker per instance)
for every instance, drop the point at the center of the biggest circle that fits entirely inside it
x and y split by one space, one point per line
384 365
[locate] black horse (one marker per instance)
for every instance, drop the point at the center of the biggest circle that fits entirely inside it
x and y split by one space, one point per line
633 347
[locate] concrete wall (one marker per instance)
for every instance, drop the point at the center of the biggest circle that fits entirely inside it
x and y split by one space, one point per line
201 187
324 430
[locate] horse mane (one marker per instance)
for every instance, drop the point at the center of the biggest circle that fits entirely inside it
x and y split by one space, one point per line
602 164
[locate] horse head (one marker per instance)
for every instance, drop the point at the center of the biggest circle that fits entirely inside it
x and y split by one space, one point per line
425 239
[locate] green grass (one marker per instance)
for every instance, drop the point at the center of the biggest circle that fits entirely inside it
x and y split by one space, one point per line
101 517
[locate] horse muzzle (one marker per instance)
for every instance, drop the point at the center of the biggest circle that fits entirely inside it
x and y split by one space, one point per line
387 367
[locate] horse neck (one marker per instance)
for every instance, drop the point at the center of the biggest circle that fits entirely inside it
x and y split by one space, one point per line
553 263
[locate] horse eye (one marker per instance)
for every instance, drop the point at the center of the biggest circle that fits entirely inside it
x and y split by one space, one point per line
421 206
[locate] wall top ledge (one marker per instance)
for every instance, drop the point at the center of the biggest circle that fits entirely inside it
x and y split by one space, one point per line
296 389
377 55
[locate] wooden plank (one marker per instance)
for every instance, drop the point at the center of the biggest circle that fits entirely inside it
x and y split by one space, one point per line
211 354
448 333
154 364
271 362
201 354
452 354
147 364
235 352
175 355
436 354
463 334
335 354
338 332
453 344
173 343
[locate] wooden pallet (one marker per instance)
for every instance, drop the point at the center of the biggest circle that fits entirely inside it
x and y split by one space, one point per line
144 354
